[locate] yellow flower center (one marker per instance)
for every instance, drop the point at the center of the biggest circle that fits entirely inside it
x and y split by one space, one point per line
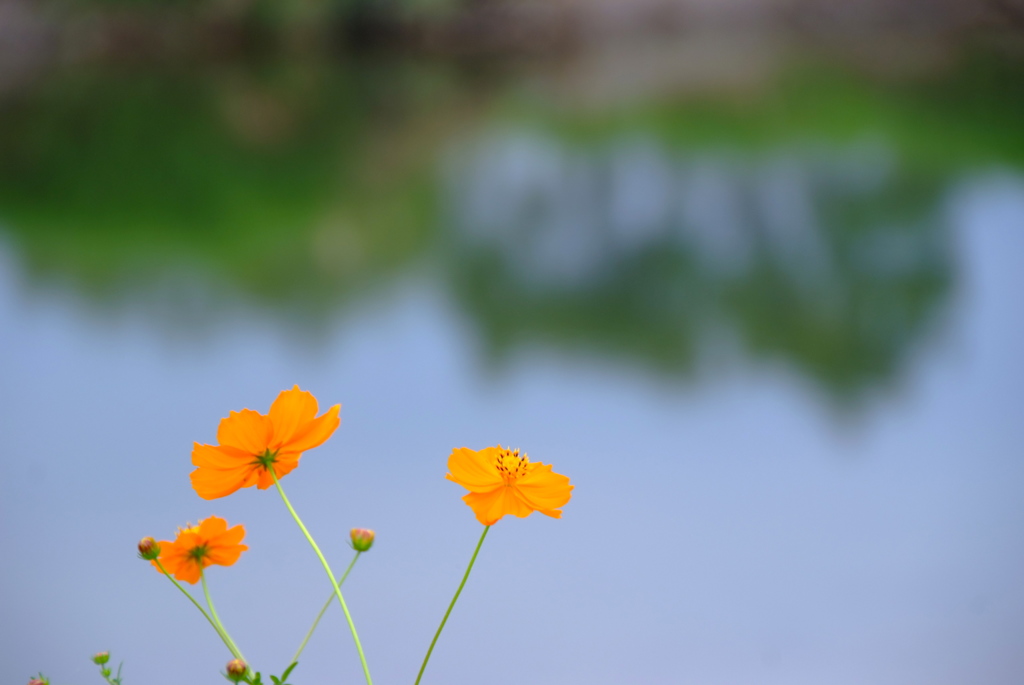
511 465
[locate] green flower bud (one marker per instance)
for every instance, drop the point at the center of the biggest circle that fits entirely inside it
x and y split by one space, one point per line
236 669
362 539
149 549
101 658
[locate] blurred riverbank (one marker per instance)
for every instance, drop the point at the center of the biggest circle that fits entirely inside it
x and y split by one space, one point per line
631 181
709 37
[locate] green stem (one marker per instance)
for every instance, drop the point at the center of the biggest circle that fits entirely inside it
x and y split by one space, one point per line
213 612
105 672
330 574
220 632
452 605
330 599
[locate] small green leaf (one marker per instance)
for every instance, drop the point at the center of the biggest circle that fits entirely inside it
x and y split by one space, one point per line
287 671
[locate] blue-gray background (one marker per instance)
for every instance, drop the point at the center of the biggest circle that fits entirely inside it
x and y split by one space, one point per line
768 320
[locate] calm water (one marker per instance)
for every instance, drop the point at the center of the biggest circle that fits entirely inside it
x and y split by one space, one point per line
772 333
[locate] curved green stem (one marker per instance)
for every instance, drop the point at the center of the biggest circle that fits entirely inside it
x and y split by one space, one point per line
105 673
213 612
452 605
330 574
322 611
220 632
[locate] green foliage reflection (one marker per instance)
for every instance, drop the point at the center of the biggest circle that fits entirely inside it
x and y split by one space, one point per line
300 186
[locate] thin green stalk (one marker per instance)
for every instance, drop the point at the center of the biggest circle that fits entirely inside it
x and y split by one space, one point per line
330 574
452 605
213 612
105 673
327 604
227 640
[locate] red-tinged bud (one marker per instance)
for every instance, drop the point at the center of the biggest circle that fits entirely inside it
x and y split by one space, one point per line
37 681
362 539
149 549
100 658
236 669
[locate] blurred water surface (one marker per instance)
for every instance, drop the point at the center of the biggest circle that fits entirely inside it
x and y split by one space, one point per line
769 324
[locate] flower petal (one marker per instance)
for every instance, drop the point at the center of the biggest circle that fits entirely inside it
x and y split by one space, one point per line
544 490
219 456
290 413
211 527
224 549
246 430
225 555
264 480
489 507
214 483
314 433
474 470
231 536
188 572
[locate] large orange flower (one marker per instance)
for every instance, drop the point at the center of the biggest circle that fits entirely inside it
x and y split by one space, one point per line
251 442
503 481
196 547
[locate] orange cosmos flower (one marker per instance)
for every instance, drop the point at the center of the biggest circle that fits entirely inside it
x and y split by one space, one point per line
196 547
251 442
503 481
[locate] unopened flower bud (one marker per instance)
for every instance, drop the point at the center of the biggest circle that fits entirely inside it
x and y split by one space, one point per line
236 669
101 658
362 539
37 681
149 549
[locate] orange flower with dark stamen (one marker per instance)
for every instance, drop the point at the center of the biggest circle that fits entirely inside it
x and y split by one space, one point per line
503 481
199 546
250 443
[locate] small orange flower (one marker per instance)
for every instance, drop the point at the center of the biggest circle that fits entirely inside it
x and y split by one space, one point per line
503 481
251 442
196 547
